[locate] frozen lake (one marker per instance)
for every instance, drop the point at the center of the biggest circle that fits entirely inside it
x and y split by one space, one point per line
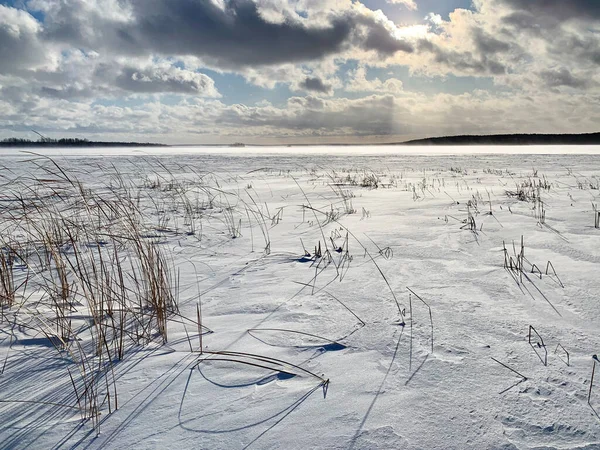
344 297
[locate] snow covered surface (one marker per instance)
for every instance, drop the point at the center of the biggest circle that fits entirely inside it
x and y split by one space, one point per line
366 365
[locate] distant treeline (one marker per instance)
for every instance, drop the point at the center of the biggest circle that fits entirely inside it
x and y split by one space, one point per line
70 142
512 139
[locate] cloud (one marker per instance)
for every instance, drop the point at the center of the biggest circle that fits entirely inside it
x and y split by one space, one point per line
557 9
165 79
373 115
83 76
236 35
358 82
227 34
378 33
462 62
576 49
20 46
409 4
488 44
562 77
266 41
468 43
316 84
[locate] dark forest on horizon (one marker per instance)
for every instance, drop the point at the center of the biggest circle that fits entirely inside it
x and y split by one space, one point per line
71 142
512 139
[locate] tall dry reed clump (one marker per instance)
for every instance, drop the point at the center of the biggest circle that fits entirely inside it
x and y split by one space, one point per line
77 265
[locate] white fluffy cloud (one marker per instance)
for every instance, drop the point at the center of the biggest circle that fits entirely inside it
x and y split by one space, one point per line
358 82
410 4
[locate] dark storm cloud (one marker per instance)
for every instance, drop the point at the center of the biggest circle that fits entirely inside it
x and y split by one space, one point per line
558 9
68 93
583 51
565 45
316 85
377 37
542 16
235 35
562 77
481 64
488 44
523 21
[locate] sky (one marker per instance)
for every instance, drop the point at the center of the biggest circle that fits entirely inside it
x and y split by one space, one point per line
297 71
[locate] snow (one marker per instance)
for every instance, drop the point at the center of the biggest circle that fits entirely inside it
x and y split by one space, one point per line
358 373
